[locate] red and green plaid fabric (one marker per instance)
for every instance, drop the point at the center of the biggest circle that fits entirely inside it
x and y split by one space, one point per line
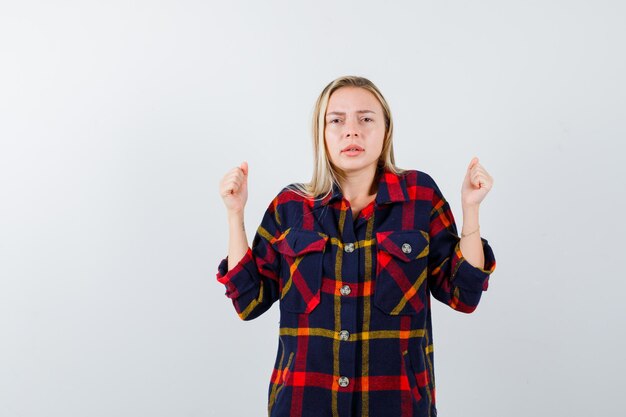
355 336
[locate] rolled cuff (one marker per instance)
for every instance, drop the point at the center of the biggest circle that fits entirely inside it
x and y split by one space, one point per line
469 277
239 279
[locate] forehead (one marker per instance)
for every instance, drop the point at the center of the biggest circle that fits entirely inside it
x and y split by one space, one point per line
346 99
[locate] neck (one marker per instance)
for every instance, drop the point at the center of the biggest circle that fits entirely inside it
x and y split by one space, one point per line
359 185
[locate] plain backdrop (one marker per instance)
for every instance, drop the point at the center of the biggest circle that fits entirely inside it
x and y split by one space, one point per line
118 120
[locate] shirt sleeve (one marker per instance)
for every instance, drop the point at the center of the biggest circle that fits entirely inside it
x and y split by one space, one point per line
253 284
452 279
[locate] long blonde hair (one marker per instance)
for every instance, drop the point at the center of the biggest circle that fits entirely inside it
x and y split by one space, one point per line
324 175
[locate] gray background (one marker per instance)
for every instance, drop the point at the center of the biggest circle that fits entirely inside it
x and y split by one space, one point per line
119 119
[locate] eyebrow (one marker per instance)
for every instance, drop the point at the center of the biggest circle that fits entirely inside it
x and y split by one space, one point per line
340 113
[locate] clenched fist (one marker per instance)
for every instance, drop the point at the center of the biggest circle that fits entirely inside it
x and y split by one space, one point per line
234 188
476 184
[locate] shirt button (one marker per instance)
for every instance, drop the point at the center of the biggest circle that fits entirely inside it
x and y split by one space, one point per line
349 247
406 248
345 290
344 335
343 381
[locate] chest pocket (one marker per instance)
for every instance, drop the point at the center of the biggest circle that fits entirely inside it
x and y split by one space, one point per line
301 269
401 271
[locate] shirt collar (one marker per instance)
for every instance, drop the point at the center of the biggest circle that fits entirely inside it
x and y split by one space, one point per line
392 188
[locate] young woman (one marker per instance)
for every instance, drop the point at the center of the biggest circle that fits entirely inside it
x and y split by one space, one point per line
353 257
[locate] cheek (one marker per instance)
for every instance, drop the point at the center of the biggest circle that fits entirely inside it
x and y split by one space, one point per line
378 130
330 135
379 134
329 142
330 151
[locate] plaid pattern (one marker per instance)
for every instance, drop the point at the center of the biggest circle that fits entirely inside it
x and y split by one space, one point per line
355 335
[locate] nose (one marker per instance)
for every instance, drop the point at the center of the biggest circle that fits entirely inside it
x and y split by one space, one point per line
352 128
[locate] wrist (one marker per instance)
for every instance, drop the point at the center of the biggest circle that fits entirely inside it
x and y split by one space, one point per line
234 215
471 232
236 220
470 220
470 208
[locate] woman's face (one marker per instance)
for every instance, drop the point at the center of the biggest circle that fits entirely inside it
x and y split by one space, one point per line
354 119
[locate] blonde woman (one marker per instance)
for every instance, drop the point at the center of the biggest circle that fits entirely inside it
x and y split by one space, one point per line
353 257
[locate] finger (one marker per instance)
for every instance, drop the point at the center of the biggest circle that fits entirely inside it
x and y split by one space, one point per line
483 172
478 180
476 170
481 168
233 187
238 171
234 184
483 182
478 175
237 174
227 192
244 167
473 162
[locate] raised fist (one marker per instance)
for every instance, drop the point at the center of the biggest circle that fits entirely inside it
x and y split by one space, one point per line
234 188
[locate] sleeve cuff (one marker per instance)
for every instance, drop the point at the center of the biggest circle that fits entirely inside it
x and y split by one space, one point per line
239 279
470 277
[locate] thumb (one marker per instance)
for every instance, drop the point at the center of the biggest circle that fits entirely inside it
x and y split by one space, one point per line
473 162
244 168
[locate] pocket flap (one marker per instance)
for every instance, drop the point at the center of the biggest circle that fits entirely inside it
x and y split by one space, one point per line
405 245
296 242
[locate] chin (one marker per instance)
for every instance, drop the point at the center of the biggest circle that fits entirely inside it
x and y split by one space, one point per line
355 165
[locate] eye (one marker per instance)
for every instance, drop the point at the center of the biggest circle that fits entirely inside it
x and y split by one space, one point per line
367 119
333 121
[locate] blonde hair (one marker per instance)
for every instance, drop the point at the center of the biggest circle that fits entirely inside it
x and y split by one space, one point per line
324 175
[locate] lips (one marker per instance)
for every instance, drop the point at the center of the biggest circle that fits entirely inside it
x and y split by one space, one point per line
352 147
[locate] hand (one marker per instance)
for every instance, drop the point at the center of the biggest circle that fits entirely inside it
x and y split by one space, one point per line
234 188
476 185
